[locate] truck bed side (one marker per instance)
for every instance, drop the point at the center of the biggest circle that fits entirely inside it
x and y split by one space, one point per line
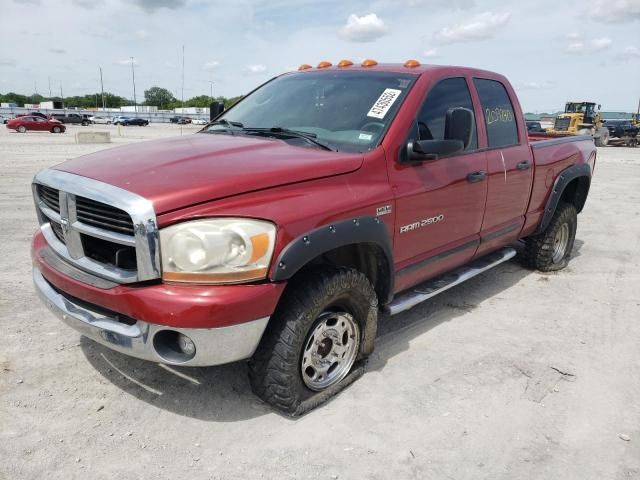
552 156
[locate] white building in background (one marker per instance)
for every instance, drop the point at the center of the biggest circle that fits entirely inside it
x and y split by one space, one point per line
192 110
139 109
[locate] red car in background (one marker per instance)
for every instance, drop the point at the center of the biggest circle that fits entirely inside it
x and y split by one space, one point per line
39 124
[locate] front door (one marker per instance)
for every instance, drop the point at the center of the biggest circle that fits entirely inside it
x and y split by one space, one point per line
439 203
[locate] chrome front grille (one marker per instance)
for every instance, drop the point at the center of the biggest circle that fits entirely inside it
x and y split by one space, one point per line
562 123
98 227
103 216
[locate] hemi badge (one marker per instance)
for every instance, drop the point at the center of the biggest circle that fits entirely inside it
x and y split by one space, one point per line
383 210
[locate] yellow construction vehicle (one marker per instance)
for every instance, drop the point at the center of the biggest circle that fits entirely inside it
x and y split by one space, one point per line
581 118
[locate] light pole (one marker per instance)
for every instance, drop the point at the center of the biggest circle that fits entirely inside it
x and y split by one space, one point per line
102 89
133 78
211 93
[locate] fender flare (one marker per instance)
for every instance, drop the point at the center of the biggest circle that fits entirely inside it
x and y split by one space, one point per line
565 177
300 251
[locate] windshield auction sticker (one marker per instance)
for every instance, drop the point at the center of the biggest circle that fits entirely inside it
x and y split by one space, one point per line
384 103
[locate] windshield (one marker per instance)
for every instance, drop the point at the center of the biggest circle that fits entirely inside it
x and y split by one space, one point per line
346 111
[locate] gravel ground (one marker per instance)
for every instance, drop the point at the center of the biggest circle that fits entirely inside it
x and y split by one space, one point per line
514 374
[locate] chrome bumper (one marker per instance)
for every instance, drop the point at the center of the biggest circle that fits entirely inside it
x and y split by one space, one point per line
214 346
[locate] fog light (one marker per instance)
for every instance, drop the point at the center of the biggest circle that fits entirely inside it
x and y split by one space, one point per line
186 345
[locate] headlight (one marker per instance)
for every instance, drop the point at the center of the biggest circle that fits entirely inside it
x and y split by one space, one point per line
221 250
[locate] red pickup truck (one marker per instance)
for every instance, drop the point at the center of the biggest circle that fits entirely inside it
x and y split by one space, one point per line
285 229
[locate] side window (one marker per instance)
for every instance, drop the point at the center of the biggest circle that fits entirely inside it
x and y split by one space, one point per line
447 94
502 130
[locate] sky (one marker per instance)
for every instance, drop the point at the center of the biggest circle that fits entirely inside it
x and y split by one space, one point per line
551 51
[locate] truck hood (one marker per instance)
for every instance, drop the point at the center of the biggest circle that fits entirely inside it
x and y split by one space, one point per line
182 171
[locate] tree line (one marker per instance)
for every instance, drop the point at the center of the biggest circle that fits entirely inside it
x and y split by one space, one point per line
154 96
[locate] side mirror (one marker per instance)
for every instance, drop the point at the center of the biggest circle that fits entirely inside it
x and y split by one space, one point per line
458 132
599 106
422 150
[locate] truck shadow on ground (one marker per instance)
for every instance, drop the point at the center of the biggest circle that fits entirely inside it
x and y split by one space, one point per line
222 394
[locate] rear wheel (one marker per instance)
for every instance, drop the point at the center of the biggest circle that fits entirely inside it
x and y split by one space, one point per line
56 129
550 250
22 129
314 339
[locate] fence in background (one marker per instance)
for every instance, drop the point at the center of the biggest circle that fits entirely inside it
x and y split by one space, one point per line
153 117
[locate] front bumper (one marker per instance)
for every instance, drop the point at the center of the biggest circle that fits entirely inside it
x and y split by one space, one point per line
213 346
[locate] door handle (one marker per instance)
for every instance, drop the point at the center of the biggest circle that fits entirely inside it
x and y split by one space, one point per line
523 165
476 176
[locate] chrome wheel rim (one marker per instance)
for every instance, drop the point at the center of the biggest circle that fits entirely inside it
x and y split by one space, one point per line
330 350
560 243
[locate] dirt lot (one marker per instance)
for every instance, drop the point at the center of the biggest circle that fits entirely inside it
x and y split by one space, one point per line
512 375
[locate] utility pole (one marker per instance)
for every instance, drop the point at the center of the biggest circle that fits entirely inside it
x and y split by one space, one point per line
211 93
62 96
183 78
102 89
133 77
50 88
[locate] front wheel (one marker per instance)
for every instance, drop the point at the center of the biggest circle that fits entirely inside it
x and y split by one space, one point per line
550 250
22 129
56 129
314 339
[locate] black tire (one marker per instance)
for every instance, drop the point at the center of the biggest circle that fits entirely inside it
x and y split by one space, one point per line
56 130
21 129
275 370
542 251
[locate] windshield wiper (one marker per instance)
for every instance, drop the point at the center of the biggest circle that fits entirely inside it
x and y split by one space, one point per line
308 136
225 123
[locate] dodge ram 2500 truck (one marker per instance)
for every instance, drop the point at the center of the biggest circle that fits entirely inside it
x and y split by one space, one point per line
283 230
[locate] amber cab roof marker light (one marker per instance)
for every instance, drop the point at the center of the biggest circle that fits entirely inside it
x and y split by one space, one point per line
412 63
369 63
345 63
304 66
324 64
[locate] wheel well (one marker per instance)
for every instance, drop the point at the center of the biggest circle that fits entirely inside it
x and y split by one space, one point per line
576 192
368 258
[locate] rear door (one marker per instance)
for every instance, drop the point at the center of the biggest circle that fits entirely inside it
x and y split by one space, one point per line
509 165
438 208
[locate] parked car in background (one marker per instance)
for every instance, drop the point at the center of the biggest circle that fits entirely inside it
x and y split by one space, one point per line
38 124
32 114
119 119
101 120
140 122
621 128
3 119
74 118
534 127
185 120
199 121
175 119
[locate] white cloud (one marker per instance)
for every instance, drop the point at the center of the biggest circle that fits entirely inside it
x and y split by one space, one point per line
577 48
142 33
614 11
210 66
601 44
431 53
128 61
596 45
631 51
544 85
256 68
480 27
363 29
59 51
150 6
7 62
573 35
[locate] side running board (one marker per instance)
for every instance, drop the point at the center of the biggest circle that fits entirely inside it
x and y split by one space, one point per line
430 288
